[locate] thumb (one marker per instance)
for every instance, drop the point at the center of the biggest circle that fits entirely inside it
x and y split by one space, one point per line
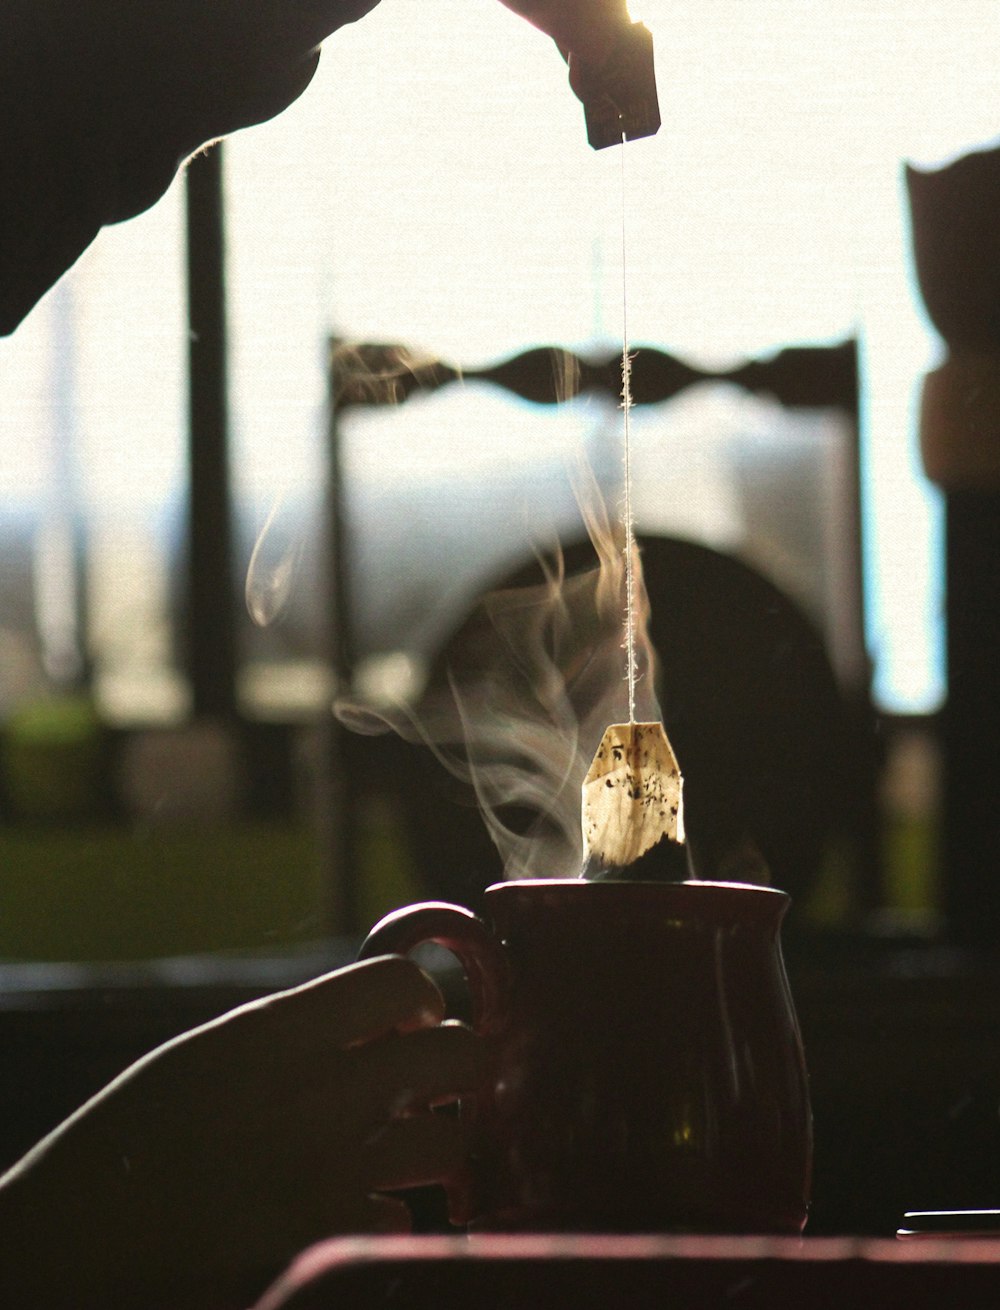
301 25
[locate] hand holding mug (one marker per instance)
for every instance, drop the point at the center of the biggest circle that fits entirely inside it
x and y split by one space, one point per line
211 1162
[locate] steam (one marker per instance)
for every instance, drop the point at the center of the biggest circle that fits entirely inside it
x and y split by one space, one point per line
273 569
370 374
519 701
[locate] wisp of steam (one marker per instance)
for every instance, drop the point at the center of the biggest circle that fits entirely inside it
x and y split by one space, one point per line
273 567
521 697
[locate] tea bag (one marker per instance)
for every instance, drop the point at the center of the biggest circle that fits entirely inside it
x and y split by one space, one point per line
632 796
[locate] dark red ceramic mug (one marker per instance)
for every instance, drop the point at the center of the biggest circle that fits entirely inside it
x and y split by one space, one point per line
647 1072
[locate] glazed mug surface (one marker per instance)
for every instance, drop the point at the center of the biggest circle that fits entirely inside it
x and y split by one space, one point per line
647 1072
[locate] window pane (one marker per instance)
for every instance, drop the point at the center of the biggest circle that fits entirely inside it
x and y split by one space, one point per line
434 186
92 471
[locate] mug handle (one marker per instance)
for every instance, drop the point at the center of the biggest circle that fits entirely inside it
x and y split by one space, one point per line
458 930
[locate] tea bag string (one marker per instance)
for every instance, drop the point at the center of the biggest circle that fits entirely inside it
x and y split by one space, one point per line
627 512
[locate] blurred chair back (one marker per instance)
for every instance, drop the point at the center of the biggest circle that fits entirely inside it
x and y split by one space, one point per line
759 626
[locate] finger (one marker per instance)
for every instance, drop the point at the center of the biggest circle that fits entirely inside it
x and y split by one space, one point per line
232 96
387 1214
588 28
432 1067
342 1097
415 1152
277 31
356 1004
260 94
305 23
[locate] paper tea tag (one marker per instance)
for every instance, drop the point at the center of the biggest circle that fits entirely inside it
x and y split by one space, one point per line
632 795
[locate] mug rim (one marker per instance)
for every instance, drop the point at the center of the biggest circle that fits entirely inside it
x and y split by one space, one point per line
553 884
633 903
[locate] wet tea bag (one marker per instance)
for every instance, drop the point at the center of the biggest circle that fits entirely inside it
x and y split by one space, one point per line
632 797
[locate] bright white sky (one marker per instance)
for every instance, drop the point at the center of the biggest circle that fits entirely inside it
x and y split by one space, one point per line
434 186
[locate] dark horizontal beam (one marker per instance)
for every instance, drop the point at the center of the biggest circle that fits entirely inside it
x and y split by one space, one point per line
812 377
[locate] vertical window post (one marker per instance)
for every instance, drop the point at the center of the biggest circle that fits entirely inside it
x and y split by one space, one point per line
210 641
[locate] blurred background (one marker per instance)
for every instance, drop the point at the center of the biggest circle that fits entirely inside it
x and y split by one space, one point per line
175 793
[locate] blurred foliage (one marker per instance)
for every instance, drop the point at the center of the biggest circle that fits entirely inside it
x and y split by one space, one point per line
113 893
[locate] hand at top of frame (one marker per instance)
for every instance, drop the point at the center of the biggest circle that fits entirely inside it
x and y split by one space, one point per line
585 31
101 102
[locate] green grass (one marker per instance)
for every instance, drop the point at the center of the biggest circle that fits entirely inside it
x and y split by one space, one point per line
106 893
